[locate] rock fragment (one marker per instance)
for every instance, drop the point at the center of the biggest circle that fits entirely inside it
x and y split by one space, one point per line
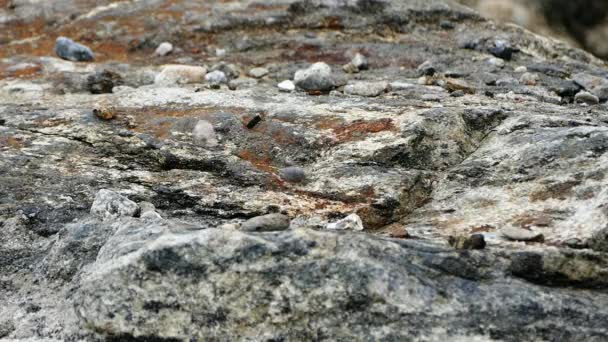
360 61
231 71
180 74
599 240
521 69
368 89
455 84
586 97
530 79
68 49
292 174
497 62
475 241
519 234
426 69
104 112
258 72
317 77
350 222
103 82
501 49
286 86
204 134
216 77
164 49
596 85
266 223
109 204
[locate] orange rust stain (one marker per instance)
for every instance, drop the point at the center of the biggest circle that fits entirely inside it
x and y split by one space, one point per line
314 53
482 229
11 142
360 129
260 162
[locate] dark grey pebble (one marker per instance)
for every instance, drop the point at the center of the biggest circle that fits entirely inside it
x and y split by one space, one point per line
68 49
292 174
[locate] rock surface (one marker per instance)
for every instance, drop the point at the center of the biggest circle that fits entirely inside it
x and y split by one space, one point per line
415 165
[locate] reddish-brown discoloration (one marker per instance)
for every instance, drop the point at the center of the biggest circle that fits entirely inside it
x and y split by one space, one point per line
360 129
260 160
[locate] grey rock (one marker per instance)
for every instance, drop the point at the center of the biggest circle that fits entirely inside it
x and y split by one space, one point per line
262 277
360 62
520 234
586 97
204 134
164 49
242 83
426 69
266 223
475 241
316 77
501 49
216 77
292 174
286 86
529 78
103 82
596 85
72 51
599 240
258 72
180 74
369 89
231 71
350 222
109 204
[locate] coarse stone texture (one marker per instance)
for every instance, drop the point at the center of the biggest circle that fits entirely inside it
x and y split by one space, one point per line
414 164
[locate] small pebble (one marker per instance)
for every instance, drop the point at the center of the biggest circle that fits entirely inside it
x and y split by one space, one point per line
204 134
266 223
519 234
104 113
475 241
501 49
68 49
286 86
253 122
360 62
586 97
258 72
109 204
426 69
521 69
292 174
350 222
164 49
369 89
220 52
529 78
350 68
457 93
317 77
216 77
497 62
103 82
180 74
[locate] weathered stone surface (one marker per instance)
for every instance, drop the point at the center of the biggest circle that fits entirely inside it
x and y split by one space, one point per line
266 223
109 204
296 285
414 163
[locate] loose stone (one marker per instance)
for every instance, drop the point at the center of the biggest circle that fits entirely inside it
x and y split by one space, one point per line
360 62
68 49
475 241
369 89
292 174
350 68
204 134
350 222
180 74
521 69
258 72
497 62
501 49
109 204
164 49
266 223
216 77
104 113
529 78
519 234
286 86
317 77
586 97
103 82
426 69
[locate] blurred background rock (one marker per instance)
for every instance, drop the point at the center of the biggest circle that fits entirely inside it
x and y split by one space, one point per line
582 23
